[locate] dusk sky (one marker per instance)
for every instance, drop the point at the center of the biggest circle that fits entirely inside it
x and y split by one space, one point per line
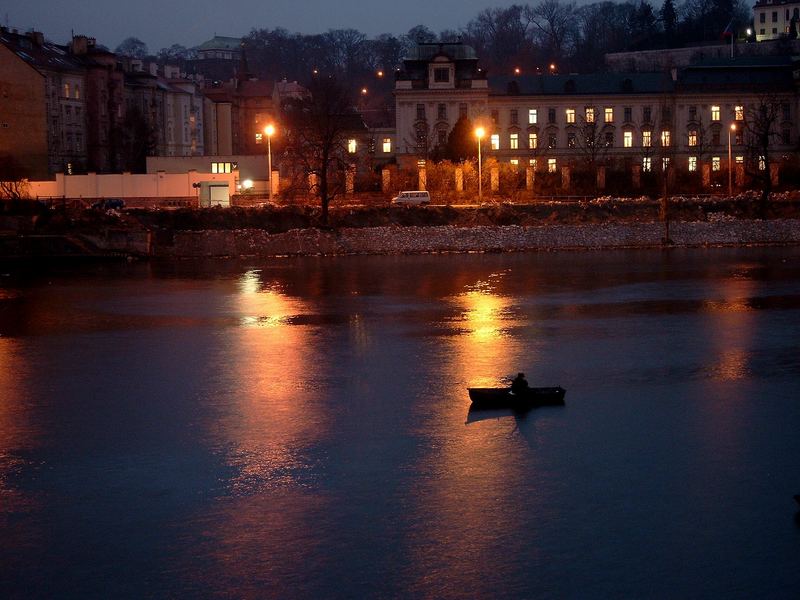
165 22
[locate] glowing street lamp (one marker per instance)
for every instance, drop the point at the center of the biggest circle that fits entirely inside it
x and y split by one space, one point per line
552 68
731 129
517 71
479 133
269 130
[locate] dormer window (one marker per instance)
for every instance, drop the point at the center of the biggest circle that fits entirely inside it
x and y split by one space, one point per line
441 75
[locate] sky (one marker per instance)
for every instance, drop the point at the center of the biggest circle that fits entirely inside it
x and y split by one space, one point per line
160 24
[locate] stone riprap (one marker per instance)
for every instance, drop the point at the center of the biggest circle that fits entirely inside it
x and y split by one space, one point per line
511 238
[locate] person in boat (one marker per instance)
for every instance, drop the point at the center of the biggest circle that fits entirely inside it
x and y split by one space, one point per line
519 385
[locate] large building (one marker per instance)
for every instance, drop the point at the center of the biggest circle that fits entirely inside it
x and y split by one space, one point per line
774 19
680 117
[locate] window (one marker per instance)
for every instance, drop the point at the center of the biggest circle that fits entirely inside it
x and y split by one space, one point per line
533 141
570 115
495 141
785 111
532 163
351 146
551 141
77 92
513 141
774 16
715 138
514 162
762 163
666 113
737 139
665 163
570 140
739 160
715 163
646 138
589 114
762 18
442 112
551 115
608 115
692 137
665 138
259 137
609 139
738 113
441 75
715 112
647 164
514 116
442 137
462 109
692 163
551 165
693 113
646 114
420 112
532 116
627 139
495 117
220 167
786 137
628 114
387 145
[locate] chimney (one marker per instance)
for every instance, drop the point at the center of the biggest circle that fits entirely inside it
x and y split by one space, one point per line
37 37
80 45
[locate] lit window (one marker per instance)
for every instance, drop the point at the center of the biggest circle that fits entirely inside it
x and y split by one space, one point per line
739 160
66 90
532 163
551 141
665 163
590 114
715 113
665 138
514 161
762 163
715 163
551 165
495 141
738 113
533 141
387 145
647 164
351 146
627 139
609 115
570 115
259 137
570 140
647 137
693 137
513 141
77 92
693 163
533 116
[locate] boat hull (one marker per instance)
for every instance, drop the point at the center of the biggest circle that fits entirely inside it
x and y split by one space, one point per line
503 398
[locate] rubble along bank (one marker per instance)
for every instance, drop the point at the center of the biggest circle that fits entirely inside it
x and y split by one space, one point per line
501 238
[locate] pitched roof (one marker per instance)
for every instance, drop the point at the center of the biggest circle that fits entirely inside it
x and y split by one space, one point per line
44 56
586 85
220 42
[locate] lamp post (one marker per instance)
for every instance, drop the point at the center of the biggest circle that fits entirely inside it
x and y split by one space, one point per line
479 133
269 130
731 129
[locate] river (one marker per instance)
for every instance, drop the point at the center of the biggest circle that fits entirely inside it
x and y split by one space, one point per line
300 428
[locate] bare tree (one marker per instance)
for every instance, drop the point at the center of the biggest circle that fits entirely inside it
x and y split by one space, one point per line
317 128
552 22
761 122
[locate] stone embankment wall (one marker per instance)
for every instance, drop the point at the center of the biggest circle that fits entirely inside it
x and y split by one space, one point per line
410 240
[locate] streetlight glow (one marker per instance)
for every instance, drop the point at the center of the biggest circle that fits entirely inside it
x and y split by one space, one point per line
730 162
269 130
479 133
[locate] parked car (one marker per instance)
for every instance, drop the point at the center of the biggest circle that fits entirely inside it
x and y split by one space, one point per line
412 197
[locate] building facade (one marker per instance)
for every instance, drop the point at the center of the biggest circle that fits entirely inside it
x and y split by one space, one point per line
774 19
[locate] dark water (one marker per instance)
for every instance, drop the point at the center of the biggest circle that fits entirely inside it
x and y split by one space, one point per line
299 428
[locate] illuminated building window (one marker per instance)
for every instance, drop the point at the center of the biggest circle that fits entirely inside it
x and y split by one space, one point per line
665 163
66 90
693 163
570 140
739 160
551 141
551 165
715 113
589 115
259 137
570 115
495 141
533 141
351 146
513 141
762 163
533 116
647 164
738 113
532 163
693 138
715 163
387 145
514 161
665 138
608 115
647 138
220 167
627 139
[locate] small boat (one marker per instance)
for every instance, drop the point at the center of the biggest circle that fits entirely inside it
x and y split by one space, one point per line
484 398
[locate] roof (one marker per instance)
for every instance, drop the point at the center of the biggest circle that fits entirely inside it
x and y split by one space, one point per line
586 85
454 50
220 42
755 73
45 56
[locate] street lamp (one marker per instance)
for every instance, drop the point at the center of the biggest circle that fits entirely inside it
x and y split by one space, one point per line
269 130
479 133
731 129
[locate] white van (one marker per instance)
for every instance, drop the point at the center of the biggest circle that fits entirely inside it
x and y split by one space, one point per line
413 197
